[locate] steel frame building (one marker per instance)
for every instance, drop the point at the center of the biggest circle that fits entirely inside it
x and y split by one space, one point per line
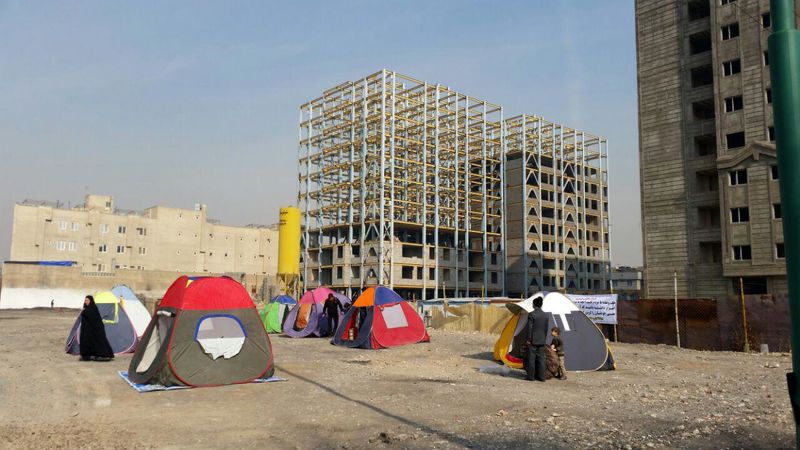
403 183
557 207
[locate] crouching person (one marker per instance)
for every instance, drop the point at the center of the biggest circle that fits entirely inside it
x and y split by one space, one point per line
557 344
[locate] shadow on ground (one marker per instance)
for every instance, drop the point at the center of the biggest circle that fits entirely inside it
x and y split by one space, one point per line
487 356
444 435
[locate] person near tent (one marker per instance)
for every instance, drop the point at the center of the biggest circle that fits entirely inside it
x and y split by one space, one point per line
536 342
557 345
94 345
362 316
331 311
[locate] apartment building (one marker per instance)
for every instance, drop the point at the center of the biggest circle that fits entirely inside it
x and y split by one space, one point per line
102 239
709 180
627 282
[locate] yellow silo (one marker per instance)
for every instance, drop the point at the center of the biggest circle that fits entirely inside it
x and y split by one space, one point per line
289 247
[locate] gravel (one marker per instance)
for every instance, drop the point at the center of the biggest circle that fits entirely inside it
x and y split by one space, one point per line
420 396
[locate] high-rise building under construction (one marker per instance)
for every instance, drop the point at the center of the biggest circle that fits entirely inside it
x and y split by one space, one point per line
419 187
556 208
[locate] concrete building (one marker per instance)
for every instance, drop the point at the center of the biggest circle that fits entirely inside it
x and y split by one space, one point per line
627 282
556 208
103 239
405 183
709 180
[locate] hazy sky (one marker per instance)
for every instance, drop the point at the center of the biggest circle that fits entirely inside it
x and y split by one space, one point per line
175 103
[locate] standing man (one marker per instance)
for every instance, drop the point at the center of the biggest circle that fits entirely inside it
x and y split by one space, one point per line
537 340
331 310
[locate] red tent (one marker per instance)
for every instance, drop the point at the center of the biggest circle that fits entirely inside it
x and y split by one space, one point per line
205 332
380 318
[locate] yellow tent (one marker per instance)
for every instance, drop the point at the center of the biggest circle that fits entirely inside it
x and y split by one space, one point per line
585 346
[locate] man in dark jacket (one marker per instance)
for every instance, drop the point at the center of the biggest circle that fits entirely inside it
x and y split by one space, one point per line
537 340
331 311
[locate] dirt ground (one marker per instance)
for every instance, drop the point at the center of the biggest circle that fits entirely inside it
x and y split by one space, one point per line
421 396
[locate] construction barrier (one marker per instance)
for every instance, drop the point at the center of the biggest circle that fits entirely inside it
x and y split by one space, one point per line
469 317
707 324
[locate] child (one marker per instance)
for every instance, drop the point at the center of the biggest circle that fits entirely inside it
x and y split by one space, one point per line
558 345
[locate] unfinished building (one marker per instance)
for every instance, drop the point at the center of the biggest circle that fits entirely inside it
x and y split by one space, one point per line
401 183
556 208
431 192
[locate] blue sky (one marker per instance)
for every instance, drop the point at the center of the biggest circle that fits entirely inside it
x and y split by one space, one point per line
176 102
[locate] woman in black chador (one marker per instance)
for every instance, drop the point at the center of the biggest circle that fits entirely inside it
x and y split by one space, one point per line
94 344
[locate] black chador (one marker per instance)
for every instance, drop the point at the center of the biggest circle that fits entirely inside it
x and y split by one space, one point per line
94 344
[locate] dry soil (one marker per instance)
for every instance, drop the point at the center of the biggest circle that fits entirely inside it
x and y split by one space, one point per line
420 396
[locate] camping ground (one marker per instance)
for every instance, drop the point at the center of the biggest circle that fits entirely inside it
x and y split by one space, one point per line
419 396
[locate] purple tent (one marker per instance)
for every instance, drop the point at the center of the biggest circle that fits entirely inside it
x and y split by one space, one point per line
311 306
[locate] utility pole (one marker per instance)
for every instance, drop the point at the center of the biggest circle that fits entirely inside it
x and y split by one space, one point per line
784 52
744 315
677 324
611 289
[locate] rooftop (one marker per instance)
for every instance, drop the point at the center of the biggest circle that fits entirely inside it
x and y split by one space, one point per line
127 212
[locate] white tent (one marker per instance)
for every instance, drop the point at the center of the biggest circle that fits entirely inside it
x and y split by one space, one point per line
584 344
136 311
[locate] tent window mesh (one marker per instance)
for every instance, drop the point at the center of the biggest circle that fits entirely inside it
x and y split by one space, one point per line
220 336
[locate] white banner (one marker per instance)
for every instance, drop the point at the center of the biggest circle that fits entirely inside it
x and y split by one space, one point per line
598 308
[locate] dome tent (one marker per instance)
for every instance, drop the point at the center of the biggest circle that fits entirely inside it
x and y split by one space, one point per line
306 317
275 312
380 318
136 311
120 332
205 332
585 346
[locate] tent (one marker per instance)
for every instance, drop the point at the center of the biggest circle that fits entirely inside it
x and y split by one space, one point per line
205 332
380 318
585 347
136 311
119 329
306 319
275 312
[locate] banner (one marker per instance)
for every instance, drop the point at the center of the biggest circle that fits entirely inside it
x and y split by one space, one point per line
598 308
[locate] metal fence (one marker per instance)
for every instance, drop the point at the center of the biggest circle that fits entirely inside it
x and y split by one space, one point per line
707 324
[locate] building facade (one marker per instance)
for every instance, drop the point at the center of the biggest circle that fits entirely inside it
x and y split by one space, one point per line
556 208
627 282
406 183
709 181
102 239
